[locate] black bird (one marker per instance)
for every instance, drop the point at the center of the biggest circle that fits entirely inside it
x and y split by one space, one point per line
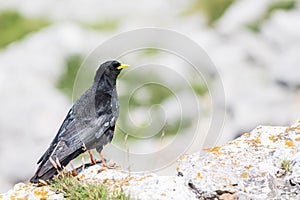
89 124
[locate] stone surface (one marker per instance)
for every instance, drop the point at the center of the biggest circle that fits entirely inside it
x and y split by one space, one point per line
261 164
22 191
147 186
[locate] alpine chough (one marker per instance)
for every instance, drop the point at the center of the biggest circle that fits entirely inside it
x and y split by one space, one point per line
89 124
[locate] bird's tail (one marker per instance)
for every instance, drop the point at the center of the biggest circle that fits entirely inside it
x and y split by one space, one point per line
47 170
48 175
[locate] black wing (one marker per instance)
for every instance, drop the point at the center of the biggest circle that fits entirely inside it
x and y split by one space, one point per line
64 147
66 123
70 142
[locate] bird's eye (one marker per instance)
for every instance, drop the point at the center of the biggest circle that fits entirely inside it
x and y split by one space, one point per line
116 64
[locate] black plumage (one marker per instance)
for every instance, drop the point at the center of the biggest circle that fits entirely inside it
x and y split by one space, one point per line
89 124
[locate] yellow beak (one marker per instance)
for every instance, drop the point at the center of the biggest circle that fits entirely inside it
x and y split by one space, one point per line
122 66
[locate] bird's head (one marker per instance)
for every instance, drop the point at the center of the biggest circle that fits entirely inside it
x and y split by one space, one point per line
110 68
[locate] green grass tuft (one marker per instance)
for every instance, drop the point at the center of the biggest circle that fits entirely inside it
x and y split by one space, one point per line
286 165
73 189
14 26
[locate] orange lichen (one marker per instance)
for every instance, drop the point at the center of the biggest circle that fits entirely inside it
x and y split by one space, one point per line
288 129
22 198
273 138
41 193
248 167
254 142
181 157
214 150
199 175
289 143
246 134
297 139
163 194
257 139
244 175
236 142
292 129
228 196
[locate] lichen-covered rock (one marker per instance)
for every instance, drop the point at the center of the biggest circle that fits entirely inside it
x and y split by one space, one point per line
262 164
147 186
22 191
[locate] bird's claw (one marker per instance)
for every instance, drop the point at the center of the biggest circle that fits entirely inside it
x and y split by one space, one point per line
109 165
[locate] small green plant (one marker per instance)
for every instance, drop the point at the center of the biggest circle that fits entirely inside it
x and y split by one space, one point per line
73 189
286 165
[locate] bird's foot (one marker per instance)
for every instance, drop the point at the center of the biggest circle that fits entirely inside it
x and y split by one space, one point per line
109 165
106 166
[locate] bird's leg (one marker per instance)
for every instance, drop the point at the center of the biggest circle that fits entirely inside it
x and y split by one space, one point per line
104 164
102 158
93 161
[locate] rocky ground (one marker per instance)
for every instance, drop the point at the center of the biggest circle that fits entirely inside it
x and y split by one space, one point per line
261 164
